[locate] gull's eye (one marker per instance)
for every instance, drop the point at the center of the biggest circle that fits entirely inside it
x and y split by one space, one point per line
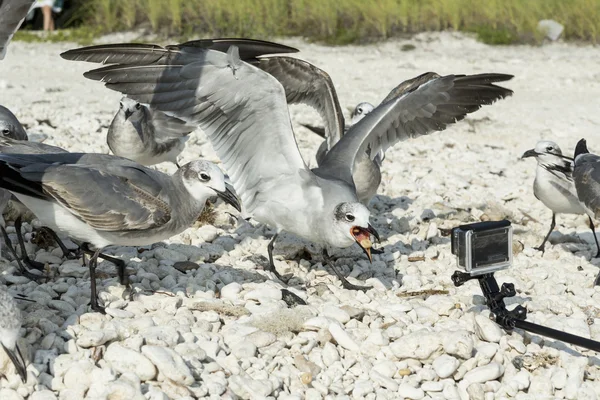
138 106
5 131
204 177
350 217
549 148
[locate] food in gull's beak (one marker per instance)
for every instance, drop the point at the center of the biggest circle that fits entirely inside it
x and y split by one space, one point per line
363 238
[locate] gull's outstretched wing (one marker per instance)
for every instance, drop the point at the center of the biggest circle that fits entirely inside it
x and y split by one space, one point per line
426 108
12 13
305 83
106 192
144 54
241 108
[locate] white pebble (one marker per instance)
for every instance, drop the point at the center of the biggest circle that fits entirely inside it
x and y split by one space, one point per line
342 337
124 360
169 363
407 391
485 373
445 365
487 329
231 291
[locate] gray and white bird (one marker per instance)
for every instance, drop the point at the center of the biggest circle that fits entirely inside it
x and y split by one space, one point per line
145 135
554 185
10 326
308 84
105 200
12 14
244 113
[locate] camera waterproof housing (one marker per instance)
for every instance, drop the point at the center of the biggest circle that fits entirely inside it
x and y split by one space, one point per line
483 247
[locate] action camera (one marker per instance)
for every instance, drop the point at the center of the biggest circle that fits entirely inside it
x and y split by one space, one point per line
483 247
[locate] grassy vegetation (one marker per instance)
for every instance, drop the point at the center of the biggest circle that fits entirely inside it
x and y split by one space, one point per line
345 21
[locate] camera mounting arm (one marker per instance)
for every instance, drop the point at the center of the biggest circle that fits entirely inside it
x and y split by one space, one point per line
494 299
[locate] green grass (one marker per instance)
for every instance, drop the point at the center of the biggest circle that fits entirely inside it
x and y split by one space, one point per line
345 21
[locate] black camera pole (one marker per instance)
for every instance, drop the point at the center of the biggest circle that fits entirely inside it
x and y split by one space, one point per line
494 298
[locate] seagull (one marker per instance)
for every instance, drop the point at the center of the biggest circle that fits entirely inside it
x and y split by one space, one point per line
243 111
10 325
145 135
554 186
105 200
12 14
306 83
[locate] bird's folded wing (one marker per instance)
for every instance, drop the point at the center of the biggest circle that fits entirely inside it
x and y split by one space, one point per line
426 108
107 196
308 84
241 108
12 13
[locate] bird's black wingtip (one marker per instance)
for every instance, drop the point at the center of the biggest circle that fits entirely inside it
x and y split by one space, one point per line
581 148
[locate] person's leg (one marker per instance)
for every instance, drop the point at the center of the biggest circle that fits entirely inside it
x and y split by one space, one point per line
48 20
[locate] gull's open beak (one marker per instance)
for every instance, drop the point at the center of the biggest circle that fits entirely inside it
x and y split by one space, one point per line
128 114
230 197
530 153
19 364
363 238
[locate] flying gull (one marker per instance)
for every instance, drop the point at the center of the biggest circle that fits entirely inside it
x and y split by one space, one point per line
244 113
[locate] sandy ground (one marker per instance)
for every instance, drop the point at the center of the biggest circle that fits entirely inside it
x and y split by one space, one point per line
471 169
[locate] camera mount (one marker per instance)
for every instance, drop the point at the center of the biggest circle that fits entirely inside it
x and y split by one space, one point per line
494 299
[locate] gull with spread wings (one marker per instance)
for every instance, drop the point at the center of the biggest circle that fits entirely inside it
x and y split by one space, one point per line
243 111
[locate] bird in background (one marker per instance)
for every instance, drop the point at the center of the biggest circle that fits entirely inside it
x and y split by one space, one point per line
145 135
554 185
10 326
243 111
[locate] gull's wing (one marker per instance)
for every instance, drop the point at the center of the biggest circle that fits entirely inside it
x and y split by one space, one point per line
241 108
429 107
12 146
410 84
144 54
12 13
108 193
587 181
305 83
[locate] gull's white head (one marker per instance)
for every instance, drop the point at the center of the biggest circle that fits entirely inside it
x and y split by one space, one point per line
546 152
131 109
203 179
351 225
10 126
360 111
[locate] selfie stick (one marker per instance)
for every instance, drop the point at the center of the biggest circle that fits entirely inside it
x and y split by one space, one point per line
494 298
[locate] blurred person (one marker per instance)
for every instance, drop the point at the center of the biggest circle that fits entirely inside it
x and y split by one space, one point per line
48 7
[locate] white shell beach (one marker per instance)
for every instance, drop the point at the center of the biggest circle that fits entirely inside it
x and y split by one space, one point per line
223 331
